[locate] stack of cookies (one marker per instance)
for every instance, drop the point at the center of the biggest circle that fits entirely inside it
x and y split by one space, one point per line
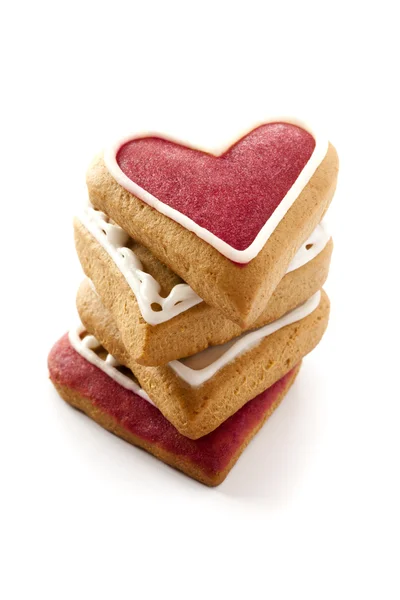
203 289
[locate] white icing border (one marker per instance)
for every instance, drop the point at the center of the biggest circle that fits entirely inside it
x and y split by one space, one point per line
146 289
239 256
245 342
85 349
317 240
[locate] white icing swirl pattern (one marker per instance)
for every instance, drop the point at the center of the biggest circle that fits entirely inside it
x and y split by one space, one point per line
86 346
146 289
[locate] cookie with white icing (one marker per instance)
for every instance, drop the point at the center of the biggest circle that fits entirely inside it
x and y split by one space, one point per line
110 398
229 224
131 283
199 393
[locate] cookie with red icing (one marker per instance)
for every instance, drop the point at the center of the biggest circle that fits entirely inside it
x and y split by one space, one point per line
175 334
229 223
199 393
126 412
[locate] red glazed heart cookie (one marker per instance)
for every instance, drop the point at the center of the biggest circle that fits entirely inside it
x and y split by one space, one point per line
232 195
200 213
228 199
128 415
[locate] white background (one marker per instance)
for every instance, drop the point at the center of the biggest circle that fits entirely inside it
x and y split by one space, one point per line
312 508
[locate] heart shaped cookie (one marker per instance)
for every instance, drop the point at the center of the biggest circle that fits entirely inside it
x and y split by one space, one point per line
231 199
200 213
123 410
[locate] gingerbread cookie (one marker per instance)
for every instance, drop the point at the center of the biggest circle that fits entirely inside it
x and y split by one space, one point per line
132 283
199 393
228 224
112 398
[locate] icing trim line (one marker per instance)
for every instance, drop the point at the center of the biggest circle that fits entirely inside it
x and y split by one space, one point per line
107 366
244 343
145 288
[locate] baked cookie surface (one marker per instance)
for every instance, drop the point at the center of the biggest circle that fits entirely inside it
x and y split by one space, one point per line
190 325
131 417
199 393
